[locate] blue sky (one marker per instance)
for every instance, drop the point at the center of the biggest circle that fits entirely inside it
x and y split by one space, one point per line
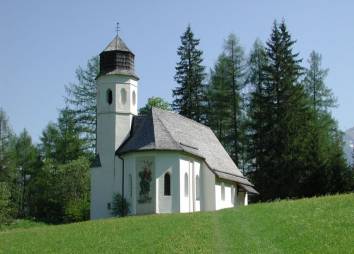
43 42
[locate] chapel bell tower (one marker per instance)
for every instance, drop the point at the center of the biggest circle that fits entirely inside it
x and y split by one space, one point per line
117 92
117 97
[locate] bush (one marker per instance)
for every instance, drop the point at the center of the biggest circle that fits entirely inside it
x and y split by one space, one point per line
5 204
120 206
77 210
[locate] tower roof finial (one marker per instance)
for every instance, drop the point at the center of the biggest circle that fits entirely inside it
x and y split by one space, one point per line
117 28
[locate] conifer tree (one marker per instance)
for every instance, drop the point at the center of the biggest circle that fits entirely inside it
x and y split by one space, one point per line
61 142
219 89
189 95
236 73
26 158
81 100
317 177
257 111
285 120
322 98
5 140
226 101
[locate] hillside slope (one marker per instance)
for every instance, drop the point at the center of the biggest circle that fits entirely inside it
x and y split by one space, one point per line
317 225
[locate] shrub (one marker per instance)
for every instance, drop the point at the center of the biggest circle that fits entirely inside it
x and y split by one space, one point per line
77 210
120 206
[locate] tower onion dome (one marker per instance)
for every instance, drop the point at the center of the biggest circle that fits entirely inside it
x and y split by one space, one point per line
117 58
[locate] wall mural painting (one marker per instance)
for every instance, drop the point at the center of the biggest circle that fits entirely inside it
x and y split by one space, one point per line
145 178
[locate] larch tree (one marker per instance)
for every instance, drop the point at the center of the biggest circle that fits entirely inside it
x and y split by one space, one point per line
189 95
257 106
26 158
81 100
226 102
6 135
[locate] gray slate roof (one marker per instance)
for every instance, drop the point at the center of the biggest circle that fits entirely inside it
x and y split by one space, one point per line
117 44
165 130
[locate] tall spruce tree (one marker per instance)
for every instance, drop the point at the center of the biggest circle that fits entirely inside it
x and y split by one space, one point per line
226 102
81 100
285 120
189 95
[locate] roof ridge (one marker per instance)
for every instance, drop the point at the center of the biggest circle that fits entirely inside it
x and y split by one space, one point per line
182 116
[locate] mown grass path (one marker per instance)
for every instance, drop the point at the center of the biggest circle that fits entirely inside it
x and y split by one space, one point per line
318 225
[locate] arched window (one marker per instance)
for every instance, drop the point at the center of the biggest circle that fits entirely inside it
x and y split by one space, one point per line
109 96
167 184
123 96
197 186
130 186
186 185
222 191
134 98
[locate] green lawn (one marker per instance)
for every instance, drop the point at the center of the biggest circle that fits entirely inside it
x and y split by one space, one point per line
21 224
317 225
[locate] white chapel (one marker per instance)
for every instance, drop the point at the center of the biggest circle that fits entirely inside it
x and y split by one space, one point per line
160 163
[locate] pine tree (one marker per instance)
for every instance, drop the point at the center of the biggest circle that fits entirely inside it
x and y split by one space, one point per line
189 96
81 99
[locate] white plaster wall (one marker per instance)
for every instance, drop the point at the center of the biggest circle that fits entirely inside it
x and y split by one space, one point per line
185 168
207 181
196 172
113 127
130 192
230 191
116 83
242 198
192 167
167 162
